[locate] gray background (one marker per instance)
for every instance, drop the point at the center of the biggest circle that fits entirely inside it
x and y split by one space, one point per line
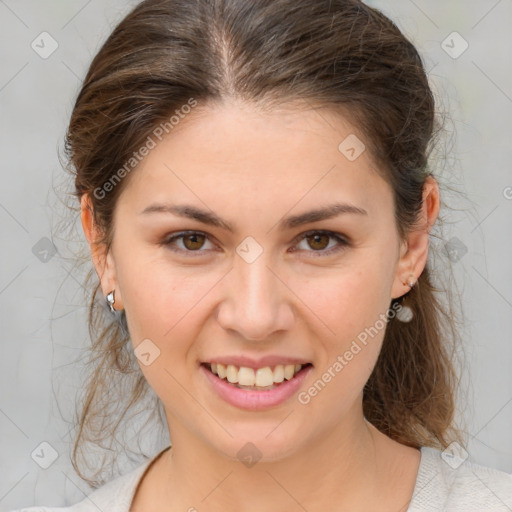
42 309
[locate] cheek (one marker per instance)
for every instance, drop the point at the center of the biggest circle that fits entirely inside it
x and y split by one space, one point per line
352 303
164 306
347 300
158 295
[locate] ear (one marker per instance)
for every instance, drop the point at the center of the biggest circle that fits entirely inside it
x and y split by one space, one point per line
414 250
102 259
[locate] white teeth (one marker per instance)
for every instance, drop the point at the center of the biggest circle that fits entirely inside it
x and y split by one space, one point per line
289 370
246 376
279 373
261 377
221 370
232 374
264 377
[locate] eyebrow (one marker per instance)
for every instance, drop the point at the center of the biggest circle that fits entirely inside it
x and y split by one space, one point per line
210 218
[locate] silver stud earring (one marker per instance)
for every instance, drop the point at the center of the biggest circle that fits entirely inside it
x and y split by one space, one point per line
411 281
110 301
405 314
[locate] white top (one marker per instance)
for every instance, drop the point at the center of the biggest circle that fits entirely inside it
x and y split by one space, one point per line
441 485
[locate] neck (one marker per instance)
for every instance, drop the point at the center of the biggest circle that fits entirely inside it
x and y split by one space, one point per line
344 465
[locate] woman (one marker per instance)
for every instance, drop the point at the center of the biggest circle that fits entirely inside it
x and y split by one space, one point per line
256 193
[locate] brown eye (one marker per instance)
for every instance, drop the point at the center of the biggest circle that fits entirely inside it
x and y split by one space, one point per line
188 242
194 241
318 241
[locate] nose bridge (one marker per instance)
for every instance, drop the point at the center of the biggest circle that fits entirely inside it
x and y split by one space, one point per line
255 283
255 306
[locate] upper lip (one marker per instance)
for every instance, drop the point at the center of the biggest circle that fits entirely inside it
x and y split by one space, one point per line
261 362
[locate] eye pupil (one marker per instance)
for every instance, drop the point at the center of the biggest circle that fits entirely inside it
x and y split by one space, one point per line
193 237
319 236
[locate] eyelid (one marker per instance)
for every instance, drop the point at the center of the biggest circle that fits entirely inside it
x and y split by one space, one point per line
343 241
167 241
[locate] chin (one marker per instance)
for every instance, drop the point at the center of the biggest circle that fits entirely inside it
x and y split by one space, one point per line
270 443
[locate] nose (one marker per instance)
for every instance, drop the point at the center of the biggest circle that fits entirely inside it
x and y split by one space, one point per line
256 302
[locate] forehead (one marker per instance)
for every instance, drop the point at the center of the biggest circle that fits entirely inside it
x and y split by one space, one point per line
236 154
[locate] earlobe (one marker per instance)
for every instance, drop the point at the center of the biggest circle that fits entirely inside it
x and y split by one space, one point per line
110 285
411 281
414 254
102 260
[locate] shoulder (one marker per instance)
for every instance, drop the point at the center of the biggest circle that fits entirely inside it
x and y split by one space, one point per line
449 483
116 495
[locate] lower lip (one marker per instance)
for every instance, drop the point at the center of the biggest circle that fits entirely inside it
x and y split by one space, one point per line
255 400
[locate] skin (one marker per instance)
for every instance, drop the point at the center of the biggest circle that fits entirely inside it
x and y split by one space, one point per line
252 169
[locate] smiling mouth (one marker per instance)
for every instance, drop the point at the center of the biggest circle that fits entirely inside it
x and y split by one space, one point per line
265 378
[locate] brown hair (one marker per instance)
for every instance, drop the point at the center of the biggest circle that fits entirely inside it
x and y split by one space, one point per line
338 54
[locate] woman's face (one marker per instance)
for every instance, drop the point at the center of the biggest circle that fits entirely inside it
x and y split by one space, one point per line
271 290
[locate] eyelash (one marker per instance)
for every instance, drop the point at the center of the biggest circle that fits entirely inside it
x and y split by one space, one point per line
343 242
